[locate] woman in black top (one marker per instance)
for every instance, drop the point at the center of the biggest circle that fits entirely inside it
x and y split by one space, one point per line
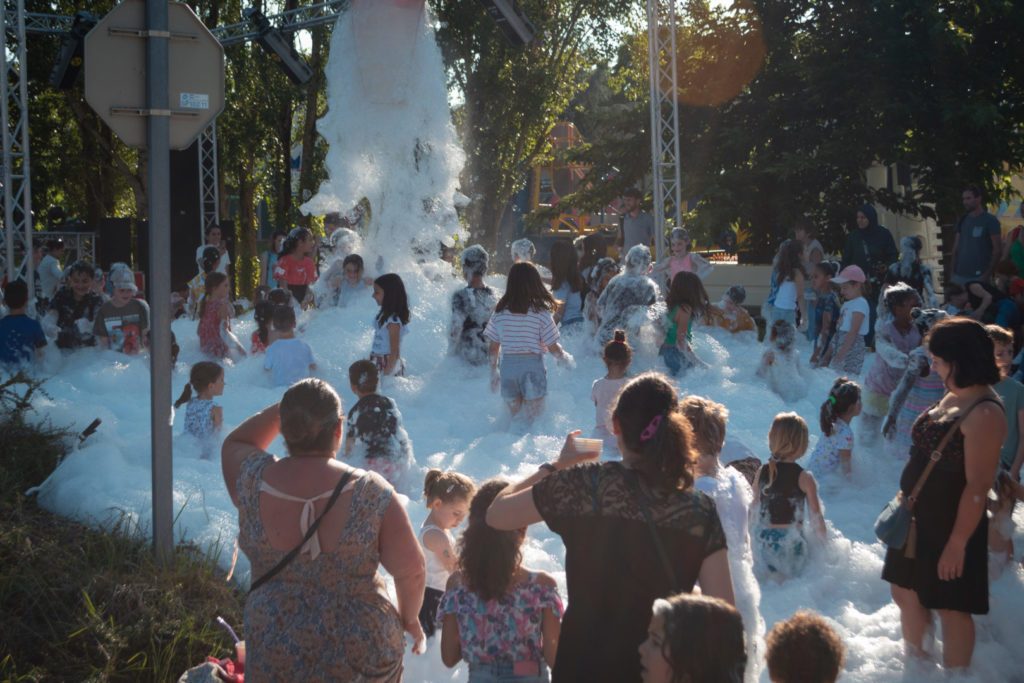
614 567
949 570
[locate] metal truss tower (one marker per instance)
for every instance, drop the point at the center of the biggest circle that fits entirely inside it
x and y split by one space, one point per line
17 189
661 54
209 197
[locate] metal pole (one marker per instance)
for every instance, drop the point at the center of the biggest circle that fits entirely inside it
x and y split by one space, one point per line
158 144
654 66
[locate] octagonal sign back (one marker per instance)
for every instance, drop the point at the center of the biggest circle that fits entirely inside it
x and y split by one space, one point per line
115 73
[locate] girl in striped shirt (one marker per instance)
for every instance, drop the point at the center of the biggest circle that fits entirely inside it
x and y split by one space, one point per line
520 331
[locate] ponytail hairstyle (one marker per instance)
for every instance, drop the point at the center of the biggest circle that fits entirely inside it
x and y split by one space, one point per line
618 351
688 291
656 432
844 395
488 558
203 374
291 242
395 302
262 314
211 255
447 486
310 415
704 639
213 281
787 441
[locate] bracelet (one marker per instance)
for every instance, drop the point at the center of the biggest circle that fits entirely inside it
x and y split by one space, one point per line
547 467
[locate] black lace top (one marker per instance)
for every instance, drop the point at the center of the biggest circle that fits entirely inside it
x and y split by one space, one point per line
612 566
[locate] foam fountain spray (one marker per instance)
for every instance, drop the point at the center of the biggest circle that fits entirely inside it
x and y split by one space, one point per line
389 131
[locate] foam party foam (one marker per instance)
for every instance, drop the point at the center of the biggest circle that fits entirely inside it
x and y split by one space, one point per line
389 131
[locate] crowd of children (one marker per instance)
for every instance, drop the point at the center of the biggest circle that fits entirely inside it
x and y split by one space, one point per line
492 611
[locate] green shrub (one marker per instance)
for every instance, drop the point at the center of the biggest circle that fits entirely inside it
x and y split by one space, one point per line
84 604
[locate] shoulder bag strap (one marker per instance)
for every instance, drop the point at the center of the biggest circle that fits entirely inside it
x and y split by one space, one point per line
937 453
631 479
294 552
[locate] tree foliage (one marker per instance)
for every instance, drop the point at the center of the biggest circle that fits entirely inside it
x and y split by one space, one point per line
512 97
784 105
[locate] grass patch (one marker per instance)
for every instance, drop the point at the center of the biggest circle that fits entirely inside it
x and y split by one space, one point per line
81 604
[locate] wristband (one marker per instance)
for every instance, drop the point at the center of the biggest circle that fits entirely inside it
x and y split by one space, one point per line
548 467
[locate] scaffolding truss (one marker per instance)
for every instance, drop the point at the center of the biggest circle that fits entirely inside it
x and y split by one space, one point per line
664 84
17 188
209 196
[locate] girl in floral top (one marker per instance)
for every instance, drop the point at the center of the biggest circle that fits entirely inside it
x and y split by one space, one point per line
499 616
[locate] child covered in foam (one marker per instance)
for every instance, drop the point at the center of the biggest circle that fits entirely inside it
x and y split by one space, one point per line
780 363
626 303
375 436
732 495
472 307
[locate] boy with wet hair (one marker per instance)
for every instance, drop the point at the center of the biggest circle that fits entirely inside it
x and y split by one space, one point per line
374 431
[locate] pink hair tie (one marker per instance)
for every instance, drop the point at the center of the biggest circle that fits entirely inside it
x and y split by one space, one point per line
651 429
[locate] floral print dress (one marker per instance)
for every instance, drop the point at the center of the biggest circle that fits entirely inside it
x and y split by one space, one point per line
325 619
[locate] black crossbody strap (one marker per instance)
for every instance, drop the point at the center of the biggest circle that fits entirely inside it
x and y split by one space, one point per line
646 512
294 552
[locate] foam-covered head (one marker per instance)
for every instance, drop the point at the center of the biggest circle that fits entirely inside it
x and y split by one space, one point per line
898 294
910 246
737 294
603 268
638 260
523 250
344 242
925 318
474 261
783 335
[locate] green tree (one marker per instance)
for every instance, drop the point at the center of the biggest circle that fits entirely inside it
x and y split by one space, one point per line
511 97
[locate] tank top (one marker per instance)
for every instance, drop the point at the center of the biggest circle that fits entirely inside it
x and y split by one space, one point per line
785 298
437 574
781 500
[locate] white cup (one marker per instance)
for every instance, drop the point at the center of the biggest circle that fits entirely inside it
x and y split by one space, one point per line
588 445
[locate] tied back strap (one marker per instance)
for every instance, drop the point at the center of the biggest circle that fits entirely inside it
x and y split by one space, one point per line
312 546
294 552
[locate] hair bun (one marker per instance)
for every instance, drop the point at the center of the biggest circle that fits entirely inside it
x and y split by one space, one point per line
620 336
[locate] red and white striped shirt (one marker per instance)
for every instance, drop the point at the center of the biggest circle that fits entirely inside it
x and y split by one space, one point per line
529 332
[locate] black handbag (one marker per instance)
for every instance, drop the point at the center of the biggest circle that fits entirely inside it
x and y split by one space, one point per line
895 526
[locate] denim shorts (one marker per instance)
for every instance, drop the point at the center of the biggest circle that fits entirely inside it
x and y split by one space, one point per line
523 377
675 360
504 672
